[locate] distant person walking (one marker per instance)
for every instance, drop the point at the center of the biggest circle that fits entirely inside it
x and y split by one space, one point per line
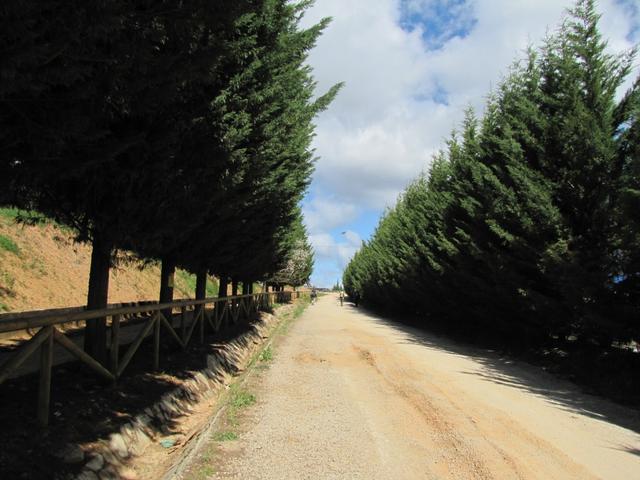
341 297
314 296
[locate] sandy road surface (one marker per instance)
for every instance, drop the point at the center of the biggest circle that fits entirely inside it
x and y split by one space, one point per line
351 396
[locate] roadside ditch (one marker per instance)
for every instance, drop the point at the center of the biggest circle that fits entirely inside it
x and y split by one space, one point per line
139 429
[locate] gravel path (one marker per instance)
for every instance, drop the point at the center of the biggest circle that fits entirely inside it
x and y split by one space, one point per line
350 396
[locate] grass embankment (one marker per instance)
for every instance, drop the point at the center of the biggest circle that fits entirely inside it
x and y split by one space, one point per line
41 266
239 397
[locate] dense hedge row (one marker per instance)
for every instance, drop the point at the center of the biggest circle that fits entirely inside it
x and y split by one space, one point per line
178 129
527 225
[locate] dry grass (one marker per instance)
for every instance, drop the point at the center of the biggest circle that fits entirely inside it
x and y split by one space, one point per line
52 270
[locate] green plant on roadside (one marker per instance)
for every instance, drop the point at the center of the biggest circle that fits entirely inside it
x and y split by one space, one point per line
291 314
227 436
7 281
9 213
203 468
266 355
300 307
37 265
186 282
24 216
242 399
9 245
237 400
204 472
3 307
29 217
212 287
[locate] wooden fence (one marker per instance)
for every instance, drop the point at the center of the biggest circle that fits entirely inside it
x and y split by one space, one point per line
211 313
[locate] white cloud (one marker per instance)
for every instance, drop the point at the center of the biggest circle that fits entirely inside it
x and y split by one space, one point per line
469 66
353 238
323 214
372 138
369 165
402 97
336 252
323 244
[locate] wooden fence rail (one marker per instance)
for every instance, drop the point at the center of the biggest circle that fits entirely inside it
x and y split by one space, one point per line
193 315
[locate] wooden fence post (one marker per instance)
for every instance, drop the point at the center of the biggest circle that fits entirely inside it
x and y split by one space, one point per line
115 344
156 343
183 323
226 311
44 389
202 325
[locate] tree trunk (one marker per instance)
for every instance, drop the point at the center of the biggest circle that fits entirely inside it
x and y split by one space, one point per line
166 285
201 284
95 336
201 288
222 289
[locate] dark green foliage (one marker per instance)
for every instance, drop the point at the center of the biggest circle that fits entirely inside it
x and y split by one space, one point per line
578 87
626 253
176 129
268 100
526 228
297 254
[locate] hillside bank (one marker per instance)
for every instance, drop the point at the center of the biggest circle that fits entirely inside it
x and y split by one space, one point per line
41 266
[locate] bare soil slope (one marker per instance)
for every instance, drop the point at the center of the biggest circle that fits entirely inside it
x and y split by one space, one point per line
42 267
350 395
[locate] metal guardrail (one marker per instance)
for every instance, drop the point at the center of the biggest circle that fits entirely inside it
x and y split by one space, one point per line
193 314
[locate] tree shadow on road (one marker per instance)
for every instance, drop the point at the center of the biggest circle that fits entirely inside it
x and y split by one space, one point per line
632 450
85 409
508 370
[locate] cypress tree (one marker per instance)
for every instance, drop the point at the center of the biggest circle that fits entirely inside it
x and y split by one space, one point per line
72 84
579 84
269 96
626 253
526 224
92 123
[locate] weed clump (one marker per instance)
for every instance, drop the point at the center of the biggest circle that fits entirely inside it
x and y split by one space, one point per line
8 245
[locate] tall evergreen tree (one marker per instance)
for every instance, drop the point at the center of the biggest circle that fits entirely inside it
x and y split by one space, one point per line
526 224
626 255
579 84
272 93
66 119
91 121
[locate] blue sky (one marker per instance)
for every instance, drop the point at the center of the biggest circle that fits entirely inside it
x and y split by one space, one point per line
411 68
438 21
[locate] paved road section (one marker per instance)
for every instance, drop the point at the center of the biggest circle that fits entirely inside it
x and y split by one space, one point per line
350 396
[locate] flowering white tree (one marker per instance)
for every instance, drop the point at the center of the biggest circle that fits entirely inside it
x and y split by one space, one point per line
298 265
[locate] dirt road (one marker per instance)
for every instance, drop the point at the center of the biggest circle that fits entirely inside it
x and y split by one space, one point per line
350 396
